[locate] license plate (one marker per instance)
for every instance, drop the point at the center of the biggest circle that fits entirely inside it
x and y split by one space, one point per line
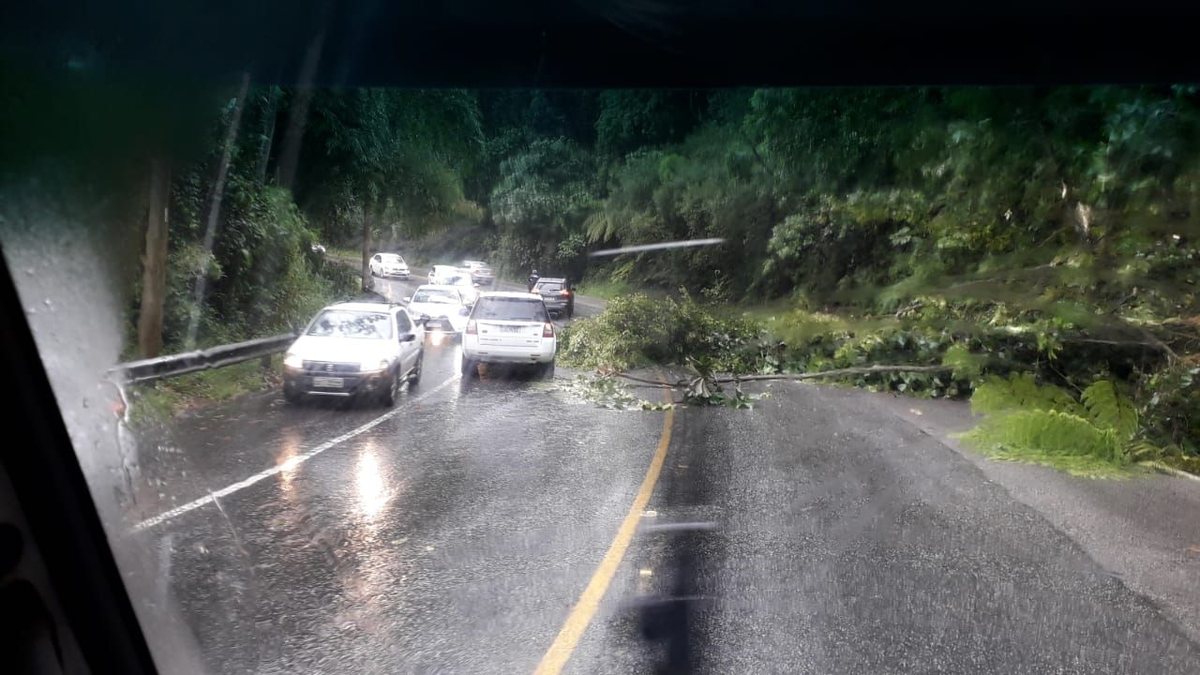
329 382
511 329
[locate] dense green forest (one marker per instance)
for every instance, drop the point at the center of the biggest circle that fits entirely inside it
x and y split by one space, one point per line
998 233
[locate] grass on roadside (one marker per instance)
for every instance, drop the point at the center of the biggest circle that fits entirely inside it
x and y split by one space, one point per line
797 326
157 402
604 289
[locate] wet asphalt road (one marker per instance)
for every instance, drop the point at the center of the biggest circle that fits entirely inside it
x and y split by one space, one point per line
454 535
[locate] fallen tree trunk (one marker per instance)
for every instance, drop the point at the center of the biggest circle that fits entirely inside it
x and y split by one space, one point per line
839 372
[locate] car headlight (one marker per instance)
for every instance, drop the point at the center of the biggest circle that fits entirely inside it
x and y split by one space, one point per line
293 361
372 366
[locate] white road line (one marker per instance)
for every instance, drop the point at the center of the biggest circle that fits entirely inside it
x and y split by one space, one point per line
286 466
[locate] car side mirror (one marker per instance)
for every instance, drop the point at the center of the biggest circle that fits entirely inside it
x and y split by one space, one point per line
408 337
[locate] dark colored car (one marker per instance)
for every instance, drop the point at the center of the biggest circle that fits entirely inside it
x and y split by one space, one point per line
558 294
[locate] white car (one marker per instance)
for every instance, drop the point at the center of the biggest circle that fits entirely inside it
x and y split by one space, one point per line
389 265
480 272
355 349
464 284
439 307
509 328
440 274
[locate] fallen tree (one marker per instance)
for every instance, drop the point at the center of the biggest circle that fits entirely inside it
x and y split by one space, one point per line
875 369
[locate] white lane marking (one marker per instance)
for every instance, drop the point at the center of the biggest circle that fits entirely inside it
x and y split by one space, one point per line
286 466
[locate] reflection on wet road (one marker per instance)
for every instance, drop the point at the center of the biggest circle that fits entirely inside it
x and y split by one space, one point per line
452 532
455 532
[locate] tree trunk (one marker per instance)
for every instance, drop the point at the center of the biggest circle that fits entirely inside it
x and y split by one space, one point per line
154 262
289 156
368 223
268 134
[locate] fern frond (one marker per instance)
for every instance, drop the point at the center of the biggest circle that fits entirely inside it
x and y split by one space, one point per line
1045 434
1022 392
1139 451
1108 409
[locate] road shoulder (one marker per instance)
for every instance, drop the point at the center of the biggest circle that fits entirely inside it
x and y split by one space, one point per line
1144 529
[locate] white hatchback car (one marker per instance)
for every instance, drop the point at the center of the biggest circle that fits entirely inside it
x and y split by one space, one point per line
509 328
441 274
355 349
439 307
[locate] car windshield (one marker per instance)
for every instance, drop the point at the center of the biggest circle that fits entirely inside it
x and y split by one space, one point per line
500 308
351 324
436 296
846 380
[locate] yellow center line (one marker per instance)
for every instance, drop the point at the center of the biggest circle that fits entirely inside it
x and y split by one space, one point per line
589 601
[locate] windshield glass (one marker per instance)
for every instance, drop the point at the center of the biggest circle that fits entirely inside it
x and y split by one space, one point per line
847 380
510 309
351 324
436 296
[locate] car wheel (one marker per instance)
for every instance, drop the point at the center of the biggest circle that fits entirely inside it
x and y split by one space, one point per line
546 371
292 397
393 391
470 368
415 376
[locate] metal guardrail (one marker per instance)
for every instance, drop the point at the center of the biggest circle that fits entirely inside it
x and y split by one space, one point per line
201 359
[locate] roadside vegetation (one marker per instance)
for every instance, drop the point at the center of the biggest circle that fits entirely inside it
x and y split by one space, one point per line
157 402
938 241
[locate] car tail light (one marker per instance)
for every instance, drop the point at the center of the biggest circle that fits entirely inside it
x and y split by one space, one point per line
471 328
565 293
548 330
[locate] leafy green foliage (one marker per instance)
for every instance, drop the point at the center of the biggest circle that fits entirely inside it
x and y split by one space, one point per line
400 154
1022 392
1050 437
1045 233
963 363
1045 424
1109 410
630 119
157 402
261 277
637 330
1170 409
